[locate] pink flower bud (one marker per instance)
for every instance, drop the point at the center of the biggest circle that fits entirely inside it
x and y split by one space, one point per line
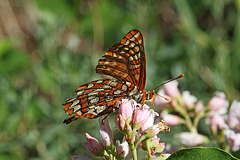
218 104
234 142
123 149
217 123
155 129
199 108
128 128
171 119
126 109
122 123
234 115
140 116
191 139
105 133
150 120
171 89
92 145
188 99
155 146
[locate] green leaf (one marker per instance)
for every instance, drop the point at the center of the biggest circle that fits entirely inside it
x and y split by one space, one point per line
201 154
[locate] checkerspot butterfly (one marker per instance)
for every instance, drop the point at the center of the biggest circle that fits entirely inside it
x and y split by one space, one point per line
124 66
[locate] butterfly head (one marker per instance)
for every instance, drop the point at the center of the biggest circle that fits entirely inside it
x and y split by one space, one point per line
150 96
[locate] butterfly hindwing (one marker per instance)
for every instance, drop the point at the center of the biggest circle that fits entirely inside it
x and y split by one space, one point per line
125 61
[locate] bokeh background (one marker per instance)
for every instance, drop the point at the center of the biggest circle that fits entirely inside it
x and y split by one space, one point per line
50 47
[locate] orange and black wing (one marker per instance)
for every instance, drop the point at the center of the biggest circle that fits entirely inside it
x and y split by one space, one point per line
97 98
125 61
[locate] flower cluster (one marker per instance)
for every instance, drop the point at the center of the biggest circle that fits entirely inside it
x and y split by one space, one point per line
185 109
136 122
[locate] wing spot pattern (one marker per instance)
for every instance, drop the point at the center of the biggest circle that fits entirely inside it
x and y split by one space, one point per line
131 51
132 45
90 85
94 100
127 42
124 87
136 49
117 92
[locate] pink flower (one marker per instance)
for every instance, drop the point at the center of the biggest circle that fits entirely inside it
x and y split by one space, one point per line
171 119
140 116
150 120
152 131
218 104
199 108
188 99
126 109
171 89
160 102
105 133
191 139
155 146
217 123
234 141
92 145
123 149
234 115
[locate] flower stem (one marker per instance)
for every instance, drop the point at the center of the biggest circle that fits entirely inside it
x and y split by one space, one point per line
131 139
182 112
133 149
189 124
140 140
147 141
134 154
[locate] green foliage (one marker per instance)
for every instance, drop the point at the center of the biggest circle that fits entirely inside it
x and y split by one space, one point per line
198 38
201 154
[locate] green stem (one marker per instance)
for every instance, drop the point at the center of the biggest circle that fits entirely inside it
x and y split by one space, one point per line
187 118
149 156
140 140
197 119
134 154
189 124
133 149
131 139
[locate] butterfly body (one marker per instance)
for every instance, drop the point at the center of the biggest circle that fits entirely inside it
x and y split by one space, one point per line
124 66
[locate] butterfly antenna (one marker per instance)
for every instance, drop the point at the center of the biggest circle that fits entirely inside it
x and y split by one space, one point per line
180 76
167 99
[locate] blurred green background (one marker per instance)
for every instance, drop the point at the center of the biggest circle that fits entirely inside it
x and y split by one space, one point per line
50 47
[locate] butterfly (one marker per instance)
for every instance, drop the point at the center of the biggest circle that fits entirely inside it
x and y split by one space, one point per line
124 66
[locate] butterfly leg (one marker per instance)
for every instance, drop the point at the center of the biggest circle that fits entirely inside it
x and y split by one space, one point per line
112 110
153 106
102 123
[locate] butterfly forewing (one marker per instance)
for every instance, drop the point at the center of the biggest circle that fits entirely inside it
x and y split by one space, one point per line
99 97
125 61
